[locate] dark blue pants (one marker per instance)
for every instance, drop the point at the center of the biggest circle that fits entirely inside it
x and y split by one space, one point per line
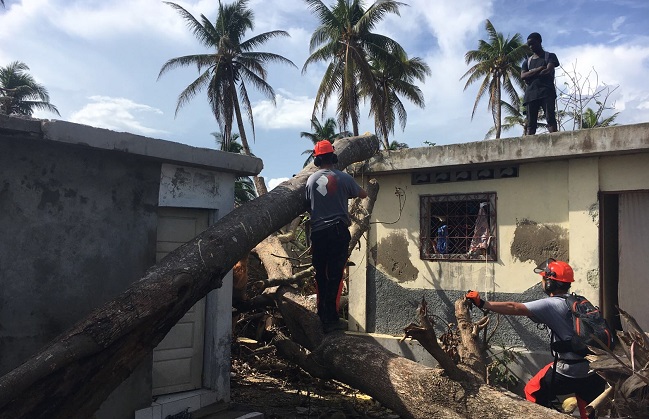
329 257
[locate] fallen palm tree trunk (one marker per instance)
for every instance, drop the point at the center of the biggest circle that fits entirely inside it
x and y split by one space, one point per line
411 390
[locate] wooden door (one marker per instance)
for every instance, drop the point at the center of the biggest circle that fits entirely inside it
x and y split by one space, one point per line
178 359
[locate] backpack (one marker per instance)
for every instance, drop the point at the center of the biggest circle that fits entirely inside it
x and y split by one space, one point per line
587 322
546 58
529 61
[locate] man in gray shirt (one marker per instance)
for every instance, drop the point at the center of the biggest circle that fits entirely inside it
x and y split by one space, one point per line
327 191
572 373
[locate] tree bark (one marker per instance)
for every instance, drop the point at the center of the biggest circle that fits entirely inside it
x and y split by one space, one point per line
274 257
361 211
73 375
411 390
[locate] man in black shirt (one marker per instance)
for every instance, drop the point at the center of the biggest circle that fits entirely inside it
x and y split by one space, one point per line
538 73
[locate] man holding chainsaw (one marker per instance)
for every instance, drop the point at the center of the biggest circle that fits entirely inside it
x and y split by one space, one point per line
327 192
570 372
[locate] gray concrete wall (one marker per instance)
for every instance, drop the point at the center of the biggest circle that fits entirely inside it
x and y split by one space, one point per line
609 141
78 226
391 307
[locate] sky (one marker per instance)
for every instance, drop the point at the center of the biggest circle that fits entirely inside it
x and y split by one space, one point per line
100 61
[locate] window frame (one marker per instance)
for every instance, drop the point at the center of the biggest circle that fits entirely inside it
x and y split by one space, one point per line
461 224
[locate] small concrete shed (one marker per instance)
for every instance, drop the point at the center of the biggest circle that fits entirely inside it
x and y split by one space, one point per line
84 212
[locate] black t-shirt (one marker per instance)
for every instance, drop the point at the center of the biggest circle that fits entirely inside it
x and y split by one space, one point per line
540 86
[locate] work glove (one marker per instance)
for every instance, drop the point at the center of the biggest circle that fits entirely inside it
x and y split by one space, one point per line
474 297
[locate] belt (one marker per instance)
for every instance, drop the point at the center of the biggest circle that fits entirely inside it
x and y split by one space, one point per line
573 361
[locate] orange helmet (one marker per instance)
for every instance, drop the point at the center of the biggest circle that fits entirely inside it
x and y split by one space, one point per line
555 269
323 147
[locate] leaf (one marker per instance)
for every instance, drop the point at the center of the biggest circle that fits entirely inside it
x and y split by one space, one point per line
633 383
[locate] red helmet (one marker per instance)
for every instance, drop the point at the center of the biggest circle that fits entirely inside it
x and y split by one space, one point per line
323 147
555 269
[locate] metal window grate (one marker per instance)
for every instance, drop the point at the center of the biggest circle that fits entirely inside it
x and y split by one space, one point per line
458 227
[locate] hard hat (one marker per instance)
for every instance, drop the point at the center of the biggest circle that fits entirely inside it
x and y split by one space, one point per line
323 147
555 269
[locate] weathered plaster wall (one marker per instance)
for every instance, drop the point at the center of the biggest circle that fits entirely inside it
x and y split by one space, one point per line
78 227
624 173
392 307
550 210
186 187
533 240
526 207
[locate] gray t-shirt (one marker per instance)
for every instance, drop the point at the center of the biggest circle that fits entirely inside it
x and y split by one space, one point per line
328 191
554 312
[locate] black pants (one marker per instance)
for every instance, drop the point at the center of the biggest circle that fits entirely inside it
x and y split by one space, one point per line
548 105
329 257
542 389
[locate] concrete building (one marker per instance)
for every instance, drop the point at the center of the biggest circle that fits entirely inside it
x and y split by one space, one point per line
84 212
482 215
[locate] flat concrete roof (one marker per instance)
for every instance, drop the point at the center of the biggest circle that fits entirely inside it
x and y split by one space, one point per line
104 139
622 139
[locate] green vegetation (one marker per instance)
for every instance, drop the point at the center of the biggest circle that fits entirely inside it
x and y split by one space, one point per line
244 188
361 63
326 131
233 63
19 92
392 81
497 64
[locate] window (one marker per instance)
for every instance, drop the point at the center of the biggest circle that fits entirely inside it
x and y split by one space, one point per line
458 227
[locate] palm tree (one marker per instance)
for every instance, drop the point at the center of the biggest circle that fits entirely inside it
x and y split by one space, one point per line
344 40
515 118
19 92
395 145
326 131
392 81
591 119
244 188
497 64
231 63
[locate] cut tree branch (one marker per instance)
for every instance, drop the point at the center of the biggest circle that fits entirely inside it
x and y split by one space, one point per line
411 390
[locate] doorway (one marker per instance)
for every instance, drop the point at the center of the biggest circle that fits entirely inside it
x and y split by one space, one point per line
178 359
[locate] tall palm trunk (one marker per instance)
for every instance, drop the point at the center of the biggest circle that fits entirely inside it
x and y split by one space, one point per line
498 110
353 102
260 185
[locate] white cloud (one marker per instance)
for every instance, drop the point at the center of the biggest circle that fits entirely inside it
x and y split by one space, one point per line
79 48
272 183
117 114
618 22
614 66
452 23
289 112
